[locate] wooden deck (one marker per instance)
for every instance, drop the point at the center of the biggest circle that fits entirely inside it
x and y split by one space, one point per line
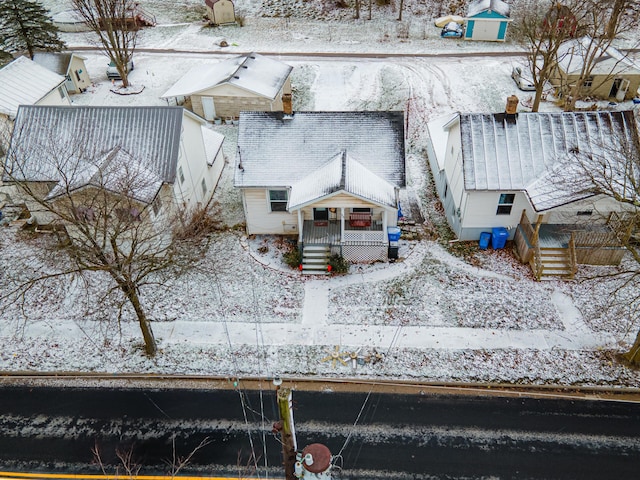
558 235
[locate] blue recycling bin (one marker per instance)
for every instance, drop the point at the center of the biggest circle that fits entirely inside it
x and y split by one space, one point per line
485 238
499 236
393 233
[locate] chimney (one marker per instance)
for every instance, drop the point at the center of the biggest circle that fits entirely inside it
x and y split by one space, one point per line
287 108
512 105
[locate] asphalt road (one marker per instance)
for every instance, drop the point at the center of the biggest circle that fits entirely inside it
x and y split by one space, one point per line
395 436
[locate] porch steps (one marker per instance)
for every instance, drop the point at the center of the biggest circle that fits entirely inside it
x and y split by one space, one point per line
555 264
315 259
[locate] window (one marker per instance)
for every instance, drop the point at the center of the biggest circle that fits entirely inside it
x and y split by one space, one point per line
180 174
78 72
84 214
361 210
446 190
61 92
203 184
505 203
585 212
278 200
128 214
587 82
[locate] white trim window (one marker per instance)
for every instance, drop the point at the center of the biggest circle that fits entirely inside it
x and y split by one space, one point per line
278 200
505 203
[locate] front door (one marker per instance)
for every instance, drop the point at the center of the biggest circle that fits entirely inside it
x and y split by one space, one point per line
622 90
321 214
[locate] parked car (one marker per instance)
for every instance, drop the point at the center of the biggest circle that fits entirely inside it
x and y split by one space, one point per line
452 29
522 82
112 71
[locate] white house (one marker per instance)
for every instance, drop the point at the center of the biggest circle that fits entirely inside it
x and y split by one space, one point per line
55 147
222 90
487 20
330 178
69 65
24 82
504 170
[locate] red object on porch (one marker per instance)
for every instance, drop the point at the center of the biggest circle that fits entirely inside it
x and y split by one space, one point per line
328 268
360 219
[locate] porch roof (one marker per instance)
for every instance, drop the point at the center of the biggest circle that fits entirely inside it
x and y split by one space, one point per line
342 173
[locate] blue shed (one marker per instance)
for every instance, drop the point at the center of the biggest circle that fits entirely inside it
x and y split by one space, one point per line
487 20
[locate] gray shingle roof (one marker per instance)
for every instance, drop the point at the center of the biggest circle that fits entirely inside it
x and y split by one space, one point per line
342 173
254 73
278 151
151 135
514 152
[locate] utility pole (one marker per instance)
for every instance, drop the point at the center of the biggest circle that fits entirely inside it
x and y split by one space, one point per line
287 431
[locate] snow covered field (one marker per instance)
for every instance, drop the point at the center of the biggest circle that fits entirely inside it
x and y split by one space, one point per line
434 316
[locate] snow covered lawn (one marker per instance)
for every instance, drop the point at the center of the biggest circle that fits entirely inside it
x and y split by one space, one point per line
429 317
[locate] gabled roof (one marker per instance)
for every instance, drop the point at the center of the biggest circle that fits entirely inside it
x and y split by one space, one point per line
503 152
345 174
277 150
610 61
478 6
254 73
150 135
116 171
56 62
24 82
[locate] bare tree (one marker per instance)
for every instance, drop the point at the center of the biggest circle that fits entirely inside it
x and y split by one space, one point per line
541 29
610 171
116 214
115 24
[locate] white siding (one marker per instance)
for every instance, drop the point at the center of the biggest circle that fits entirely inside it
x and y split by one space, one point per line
260 220
54 97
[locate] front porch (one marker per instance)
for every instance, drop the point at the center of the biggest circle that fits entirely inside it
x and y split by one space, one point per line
556 250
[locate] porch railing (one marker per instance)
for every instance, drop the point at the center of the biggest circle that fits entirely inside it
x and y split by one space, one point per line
573 257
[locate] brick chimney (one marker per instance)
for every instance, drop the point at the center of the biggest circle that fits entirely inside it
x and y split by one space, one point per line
287 107
512 105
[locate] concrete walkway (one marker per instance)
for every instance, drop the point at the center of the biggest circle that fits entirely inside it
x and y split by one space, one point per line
314 328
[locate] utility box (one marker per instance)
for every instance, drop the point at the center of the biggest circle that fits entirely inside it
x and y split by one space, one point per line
499 236
485 238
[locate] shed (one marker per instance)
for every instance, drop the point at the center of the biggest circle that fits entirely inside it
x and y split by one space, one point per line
487 20
220 12
69 65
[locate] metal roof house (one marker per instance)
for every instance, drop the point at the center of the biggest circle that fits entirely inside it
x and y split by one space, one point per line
487 20
614 75
220 12
330 178
222 90
68 149
24 82
500 170
69 65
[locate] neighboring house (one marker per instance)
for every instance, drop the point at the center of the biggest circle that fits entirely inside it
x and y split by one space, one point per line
24 82
69 65
613 74
220 12
330 178
223 90
487 20
502 170
171 157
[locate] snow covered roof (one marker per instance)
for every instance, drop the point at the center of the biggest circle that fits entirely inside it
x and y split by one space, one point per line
479 6
24 82
515 152
609 61
116 171
212 143
254 73
279 150
151 135
56 62
342 173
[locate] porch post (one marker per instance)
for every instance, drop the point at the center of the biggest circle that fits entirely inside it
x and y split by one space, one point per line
341 224
300 225
384 225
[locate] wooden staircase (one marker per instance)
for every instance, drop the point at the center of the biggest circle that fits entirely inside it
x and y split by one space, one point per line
315 259
554 263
